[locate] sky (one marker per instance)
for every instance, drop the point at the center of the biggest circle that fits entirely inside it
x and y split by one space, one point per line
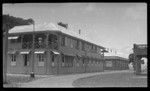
113 25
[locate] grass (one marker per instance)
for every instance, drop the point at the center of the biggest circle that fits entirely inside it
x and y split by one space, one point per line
14 81
111 80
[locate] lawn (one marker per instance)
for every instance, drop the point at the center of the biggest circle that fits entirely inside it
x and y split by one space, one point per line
112 80
14 81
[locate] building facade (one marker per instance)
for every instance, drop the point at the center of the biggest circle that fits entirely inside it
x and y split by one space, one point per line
47 50
116 63
140 51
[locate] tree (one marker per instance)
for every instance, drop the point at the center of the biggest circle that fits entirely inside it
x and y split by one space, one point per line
131 58
8 23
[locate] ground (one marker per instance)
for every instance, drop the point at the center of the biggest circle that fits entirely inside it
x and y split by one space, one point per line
112 80
14 80
123 78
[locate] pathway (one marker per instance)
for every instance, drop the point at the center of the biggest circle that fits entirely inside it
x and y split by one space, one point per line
63 81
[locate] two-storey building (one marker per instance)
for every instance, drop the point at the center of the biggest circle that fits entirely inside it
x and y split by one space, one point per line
51 49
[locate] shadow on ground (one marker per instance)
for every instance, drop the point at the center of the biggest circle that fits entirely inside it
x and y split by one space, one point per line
14 81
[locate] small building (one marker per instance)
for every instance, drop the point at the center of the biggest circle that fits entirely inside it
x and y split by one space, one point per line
51 49
116 63
140 51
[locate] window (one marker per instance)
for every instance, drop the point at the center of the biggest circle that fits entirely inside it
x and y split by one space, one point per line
63 60
69 61
92 48
40 40
66 41
27 41
40 57
98 50
53 59
108 63
52 40
95 48
83 47
83 62
77 44
63 41
26 59
71 43
87 47
13 59
80 45
77 63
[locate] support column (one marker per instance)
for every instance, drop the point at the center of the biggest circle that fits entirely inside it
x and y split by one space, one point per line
58 56
5 50
47 54
32 74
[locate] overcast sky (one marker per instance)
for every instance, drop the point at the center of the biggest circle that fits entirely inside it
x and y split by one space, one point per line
113 25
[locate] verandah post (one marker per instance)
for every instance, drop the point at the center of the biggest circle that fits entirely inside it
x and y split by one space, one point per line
32 74
5 49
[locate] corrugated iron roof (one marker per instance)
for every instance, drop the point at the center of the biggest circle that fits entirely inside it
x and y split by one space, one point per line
115 57
38 27
49 27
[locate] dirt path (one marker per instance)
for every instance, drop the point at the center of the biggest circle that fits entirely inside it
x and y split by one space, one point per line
62 81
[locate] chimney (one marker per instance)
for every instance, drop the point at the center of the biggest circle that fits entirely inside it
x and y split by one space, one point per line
79 31
63 25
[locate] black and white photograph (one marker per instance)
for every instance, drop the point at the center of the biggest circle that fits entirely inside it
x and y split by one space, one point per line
74 45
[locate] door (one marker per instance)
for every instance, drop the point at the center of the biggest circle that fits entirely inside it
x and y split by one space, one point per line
26 65
54 65
40 67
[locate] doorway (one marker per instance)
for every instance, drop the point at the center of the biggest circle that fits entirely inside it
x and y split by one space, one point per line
26 64
26 59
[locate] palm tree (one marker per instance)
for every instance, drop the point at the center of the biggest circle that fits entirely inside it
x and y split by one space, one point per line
8 23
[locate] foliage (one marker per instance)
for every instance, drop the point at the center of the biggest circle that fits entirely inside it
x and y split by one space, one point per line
8 23
131 58
11 21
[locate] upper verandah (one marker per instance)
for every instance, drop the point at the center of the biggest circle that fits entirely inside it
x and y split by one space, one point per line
50 27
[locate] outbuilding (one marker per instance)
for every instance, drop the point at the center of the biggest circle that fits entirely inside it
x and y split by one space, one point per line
115 63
